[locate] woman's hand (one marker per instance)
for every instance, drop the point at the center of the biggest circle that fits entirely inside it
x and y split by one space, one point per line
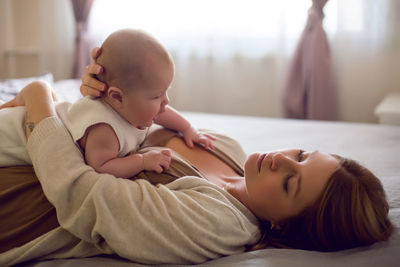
90 84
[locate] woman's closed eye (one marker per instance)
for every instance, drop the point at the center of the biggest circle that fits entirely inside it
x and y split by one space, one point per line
286 183
299 157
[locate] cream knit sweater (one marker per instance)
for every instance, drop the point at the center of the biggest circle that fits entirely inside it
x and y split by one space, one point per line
187 221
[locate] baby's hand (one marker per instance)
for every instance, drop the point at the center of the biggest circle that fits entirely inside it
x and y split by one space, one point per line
157 161
191 135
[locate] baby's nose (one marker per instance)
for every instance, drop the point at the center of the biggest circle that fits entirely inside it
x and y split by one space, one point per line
165 100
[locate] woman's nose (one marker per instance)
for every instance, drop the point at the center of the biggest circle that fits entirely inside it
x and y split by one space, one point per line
278 160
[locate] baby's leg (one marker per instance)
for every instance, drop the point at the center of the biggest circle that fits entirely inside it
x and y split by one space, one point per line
12 137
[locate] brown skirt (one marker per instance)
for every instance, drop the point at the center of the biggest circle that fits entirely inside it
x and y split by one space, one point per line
25 212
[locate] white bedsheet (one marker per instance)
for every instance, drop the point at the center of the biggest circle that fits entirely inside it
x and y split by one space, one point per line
375 146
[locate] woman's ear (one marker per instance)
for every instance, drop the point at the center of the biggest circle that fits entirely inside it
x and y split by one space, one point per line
115 95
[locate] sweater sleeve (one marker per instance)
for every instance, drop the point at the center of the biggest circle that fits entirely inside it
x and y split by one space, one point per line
187 221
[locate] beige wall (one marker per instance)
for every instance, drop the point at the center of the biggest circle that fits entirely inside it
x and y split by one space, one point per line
364 82
35 31
37 36
6 30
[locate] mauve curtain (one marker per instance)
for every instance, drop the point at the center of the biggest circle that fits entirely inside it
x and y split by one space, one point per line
83 43
310 89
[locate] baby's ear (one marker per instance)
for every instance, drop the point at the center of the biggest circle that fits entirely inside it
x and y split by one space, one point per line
115 94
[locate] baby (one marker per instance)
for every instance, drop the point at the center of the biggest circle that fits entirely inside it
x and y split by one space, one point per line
138 71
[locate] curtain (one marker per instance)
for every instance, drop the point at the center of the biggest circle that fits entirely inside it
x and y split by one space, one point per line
83 42
229 54
233 56
310 89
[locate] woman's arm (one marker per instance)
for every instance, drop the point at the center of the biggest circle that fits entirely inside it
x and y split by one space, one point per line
187 221
177 223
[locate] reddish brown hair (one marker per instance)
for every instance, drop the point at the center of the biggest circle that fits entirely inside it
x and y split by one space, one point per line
352 211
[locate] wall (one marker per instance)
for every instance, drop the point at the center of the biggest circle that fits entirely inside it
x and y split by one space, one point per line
365 79
38 38
6 31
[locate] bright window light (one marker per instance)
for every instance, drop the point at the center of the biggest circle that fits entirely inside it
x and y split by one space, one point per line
225 27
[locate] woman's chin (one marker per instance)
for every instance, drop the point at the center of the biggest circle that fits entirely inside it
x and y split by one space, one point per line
250 166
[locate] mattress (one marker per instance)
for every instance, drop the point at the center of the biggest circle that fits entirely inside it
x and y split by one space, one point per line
375 146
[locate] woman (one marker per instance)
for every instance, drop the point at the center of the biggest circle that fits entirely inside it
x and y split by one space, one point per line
282 198
361 221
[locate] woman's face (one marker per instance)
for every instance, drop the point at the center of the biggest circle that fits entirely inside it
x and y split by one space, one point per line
281 184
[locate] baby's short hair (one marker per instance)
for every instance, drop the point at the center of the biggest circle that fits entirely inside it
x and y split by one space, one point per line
128 56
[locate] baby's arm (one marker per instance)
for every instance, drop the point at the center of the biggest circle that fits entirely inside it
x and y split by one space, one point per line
172 119
101 153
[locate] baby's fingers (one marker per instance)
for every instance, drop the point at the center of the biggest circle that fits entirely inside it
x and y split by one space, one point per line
206 142
188 141
158 169
210 136
209 145
166 152
165 164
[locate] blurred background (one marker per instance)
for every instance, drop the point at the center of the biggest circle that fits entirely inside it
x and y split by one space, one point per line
231 56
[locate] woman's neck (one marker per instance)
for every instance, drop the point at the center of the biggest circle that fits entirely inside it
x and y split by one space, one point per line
213 169
236 186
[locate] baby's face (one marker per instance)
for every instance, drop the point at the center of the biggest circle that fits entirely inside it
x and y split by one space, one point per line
141 106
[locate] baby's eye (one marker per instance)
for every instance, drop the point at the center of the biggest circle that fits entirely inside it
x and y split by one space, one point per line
157 97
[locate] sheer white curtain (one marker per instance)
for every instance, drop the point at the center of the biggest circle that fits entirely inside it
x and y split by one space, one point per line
231 56
56 37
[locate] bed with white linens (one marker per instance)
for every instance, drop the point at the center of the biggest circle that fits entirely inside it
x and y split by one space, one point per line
375 146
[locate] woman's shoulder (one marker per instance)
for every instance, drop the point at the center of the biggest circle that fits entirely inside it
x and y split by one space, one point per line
228 149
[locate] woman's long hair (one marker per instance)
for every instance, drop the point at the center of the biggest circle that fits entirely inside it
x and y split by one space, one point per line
352 211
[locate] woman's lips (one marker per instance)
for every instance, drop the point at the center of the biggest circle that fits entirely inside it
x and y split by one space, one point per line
260 160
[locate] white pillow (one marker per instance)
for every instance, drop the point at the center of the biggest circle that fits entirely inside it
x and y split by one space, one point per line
10 87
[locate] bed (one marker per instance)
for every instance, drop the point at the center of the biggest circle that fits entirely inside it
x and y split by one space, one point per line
375 146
